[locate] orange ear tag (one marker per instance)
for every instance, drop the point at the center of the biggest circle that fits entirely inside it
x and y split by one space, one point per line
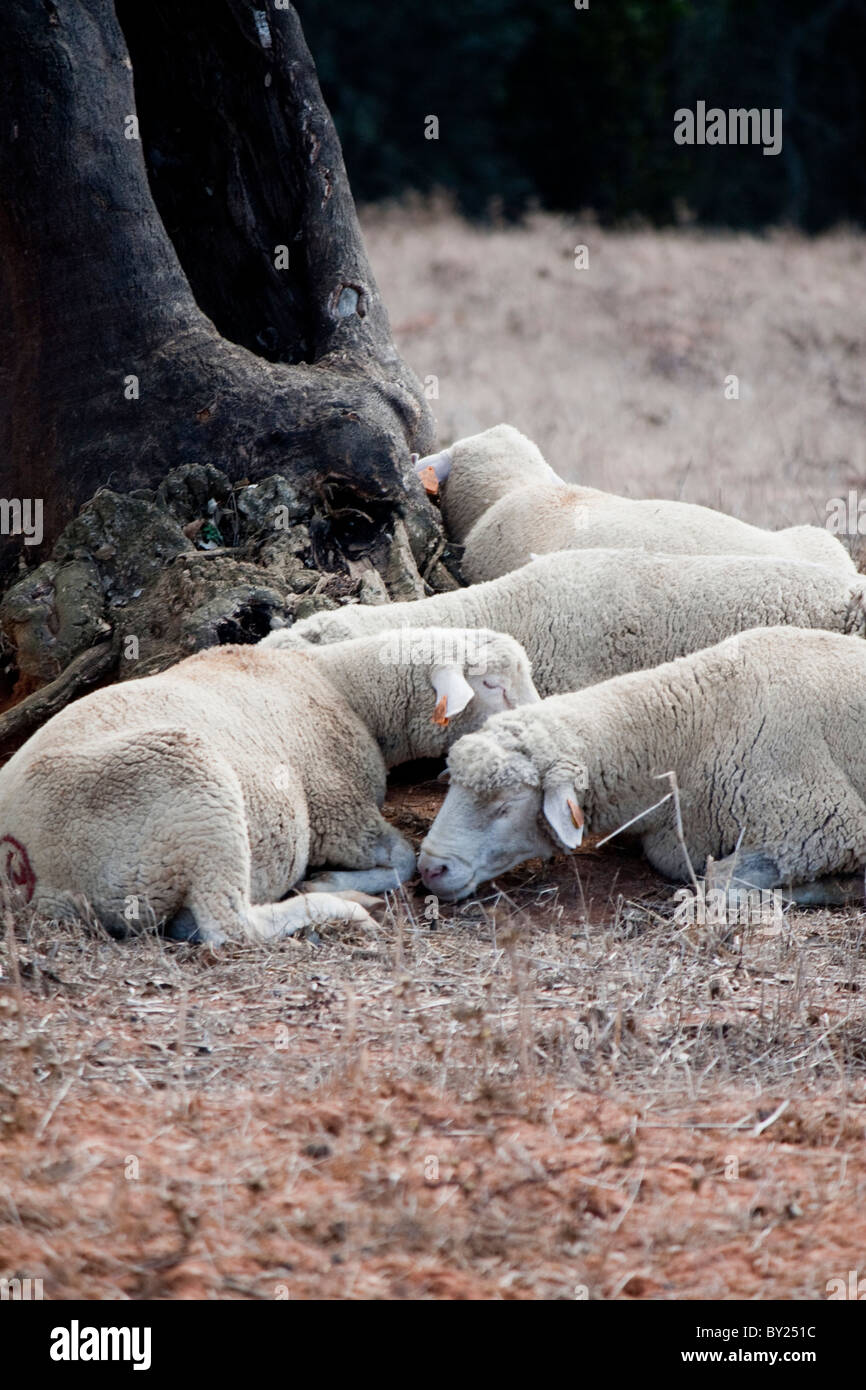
439 715
576 813
429 481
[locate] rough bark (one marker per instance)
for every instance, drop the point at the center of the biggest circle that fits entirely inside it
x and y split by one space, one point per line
153 576
97 287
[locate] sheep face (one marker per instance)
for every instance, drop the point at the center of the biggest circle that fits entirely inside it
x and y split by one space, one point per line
332 625
317 630
475 472
503 678
500 810
326 627
468 667
476 837
473 673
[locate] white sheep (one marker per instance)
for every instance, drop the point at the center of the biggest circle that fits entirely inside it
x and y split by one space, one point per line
586 615
503 503
201 795
764 733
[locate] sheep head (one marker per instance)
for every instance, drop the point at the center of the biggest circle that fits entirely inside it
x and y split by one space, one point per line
477 471
498 812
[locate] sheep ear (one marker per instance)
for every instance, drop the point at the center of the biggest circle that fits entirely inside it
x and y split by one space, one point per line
563 814
440 464
453 693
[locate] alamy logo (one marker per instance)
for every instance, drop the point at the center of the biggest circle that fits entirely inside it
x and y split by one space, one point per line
737 126
715 907
406 647
846 516
22 517
854 1289
20 1290
76 1343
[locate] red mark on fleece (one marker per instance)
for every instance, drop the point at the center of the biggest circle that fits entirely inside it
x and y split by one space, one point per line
15 866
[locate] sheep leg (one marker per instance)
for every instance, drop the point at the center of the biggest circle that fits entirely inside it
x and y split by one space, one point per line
264 922
372 881
273 921
833 891
354 895
748 868
393 860
756 869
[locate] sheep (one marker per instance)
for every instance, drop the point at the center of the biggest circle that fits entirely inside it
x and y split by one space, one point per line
764 732
200 796
586 615
503 503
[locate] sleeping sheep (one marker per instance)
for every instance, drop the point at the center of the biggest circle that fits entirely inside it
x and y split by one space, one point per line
503 503
201 795
764 733
586 615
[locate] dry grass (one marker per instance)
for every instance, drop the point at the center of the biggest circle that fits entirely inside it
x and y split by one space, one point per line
556 1090
552 1092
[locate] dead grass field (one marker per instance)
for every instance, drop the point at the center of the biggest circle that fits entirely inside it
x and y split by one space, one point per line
554 1091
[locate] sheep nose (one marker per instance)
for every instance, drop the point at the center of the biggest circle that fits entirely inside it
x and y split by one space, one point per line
431 870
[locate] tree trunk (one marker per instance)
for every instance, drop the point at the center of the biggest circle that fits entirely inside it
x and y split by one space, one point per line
151 322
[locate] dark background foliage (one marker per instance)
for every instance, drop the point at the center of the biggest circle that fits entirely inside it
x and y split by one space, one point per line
574 109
